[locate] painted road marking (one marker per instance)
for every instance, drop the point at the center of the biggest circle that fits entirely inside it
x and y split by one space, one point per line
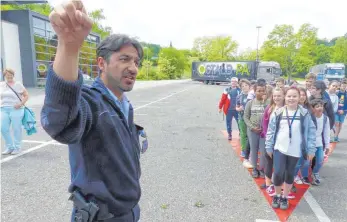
11 157
302 189
261 220
37 141
54 142
166 97
318 211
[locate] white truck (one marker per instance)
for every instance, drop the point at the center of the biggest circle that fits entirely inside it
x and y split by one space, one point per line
269 70
329 71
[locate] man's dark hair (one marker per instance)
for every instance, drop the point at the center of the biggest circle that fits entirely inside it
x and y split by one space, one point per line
315 102
320 85
114 43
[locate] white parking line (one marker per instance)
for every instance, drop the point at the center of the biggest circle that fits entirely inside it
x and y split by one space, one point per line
43 144
36 141
261 220
27 151
317 210
166 97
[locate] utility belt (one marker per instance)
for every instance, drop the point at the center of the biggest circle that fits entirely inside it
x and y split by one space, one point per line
88 211
92 211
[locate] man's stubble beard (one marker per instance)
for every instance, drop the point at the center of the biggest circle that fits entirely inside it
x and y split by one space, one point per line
115 84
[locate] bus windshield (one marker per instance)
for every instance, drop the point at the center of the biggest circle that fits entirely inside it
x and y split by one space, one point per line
334 71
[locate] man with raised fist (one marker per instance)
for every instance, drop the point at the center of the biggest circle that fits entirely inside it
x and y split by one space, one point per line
95 121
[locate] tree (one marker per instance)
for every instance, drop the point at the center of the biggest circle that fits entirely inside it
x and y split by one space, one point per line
171 62
217 48
340 51
247 55
322 54
43 9
306 39
97 17
147 53
281 47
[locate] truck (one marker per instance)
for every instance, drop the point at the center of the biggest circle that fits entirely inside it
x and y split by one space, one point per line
329 71
222 72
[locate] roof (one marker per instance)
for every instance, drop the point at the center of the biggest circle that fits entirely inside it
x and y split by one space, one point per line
22 2
269 63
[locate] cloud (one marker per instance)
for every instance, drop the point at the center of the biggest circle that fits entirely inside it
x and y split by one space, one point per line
181 21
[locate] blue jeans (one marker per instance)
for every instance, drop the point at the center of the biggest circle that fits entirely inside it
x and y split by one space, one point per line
319 160
303 165
229 119
11 116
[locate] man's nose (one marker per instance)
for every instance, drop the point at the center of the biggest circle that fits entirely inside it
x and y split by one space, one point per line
133 68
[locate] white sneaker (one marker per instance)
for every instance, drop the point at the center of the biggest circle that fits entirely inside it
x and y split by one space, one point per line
15 152
247 164
298 180
7 152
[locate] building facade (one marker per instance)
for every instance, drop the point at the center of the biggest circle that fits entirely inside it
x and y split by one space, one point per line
28 44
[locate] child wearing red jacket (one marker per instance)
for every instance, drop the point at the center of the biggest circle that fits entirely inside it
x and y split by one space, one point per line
228 104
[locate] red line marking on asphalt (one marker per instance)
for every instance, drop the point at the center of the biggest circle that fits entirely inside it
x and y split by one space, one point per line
282 215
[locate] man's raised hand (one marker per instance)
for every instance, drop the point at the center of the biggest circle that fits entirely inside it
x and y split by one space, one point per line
71 23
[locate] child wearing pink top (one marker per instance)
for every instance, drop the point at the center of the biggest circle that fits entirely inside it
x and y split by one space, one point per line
277 101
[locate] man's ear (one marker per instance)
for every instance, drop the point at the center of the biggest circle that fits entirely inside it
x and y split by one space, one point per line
101 64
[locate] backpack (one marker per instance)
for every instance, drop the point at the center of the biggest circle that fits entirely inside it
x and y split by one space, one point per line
237 88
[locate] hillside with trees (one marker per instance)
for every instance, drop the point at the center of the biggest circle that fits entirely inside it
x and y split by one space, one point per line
296 51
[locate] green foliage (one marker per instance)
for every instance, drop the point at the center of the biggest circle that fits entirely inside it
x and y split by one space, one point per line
297 52
217 48
340 51
154 48
44 9
281 47
323 54
97 17
247 55
171 63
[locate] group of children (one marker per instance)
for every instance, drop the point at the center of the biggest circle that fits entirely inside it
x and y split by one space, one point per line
288 125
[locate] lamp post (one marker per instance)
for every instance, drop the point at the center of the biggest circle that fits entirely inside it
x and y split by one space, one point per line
147 62
257 62
258 27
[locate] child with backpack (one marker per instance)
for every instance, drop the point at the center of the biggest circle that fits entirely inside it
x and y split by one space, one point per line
318 92
253 116
290 135
240 107
277 101
322 138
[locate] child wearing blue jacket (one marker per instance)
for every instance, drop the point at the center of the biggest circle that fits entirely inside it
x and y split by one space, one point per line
291 134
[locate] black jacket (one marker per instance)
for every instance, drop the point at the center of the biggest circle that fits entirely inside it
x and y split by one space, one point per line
104 147
328 110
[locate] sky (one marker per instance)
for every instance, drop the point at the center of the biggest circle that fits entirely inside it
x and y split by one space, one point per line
181 21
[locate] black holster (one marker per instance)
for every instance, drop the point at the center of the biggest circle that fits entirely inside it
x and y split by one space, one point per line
87 211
